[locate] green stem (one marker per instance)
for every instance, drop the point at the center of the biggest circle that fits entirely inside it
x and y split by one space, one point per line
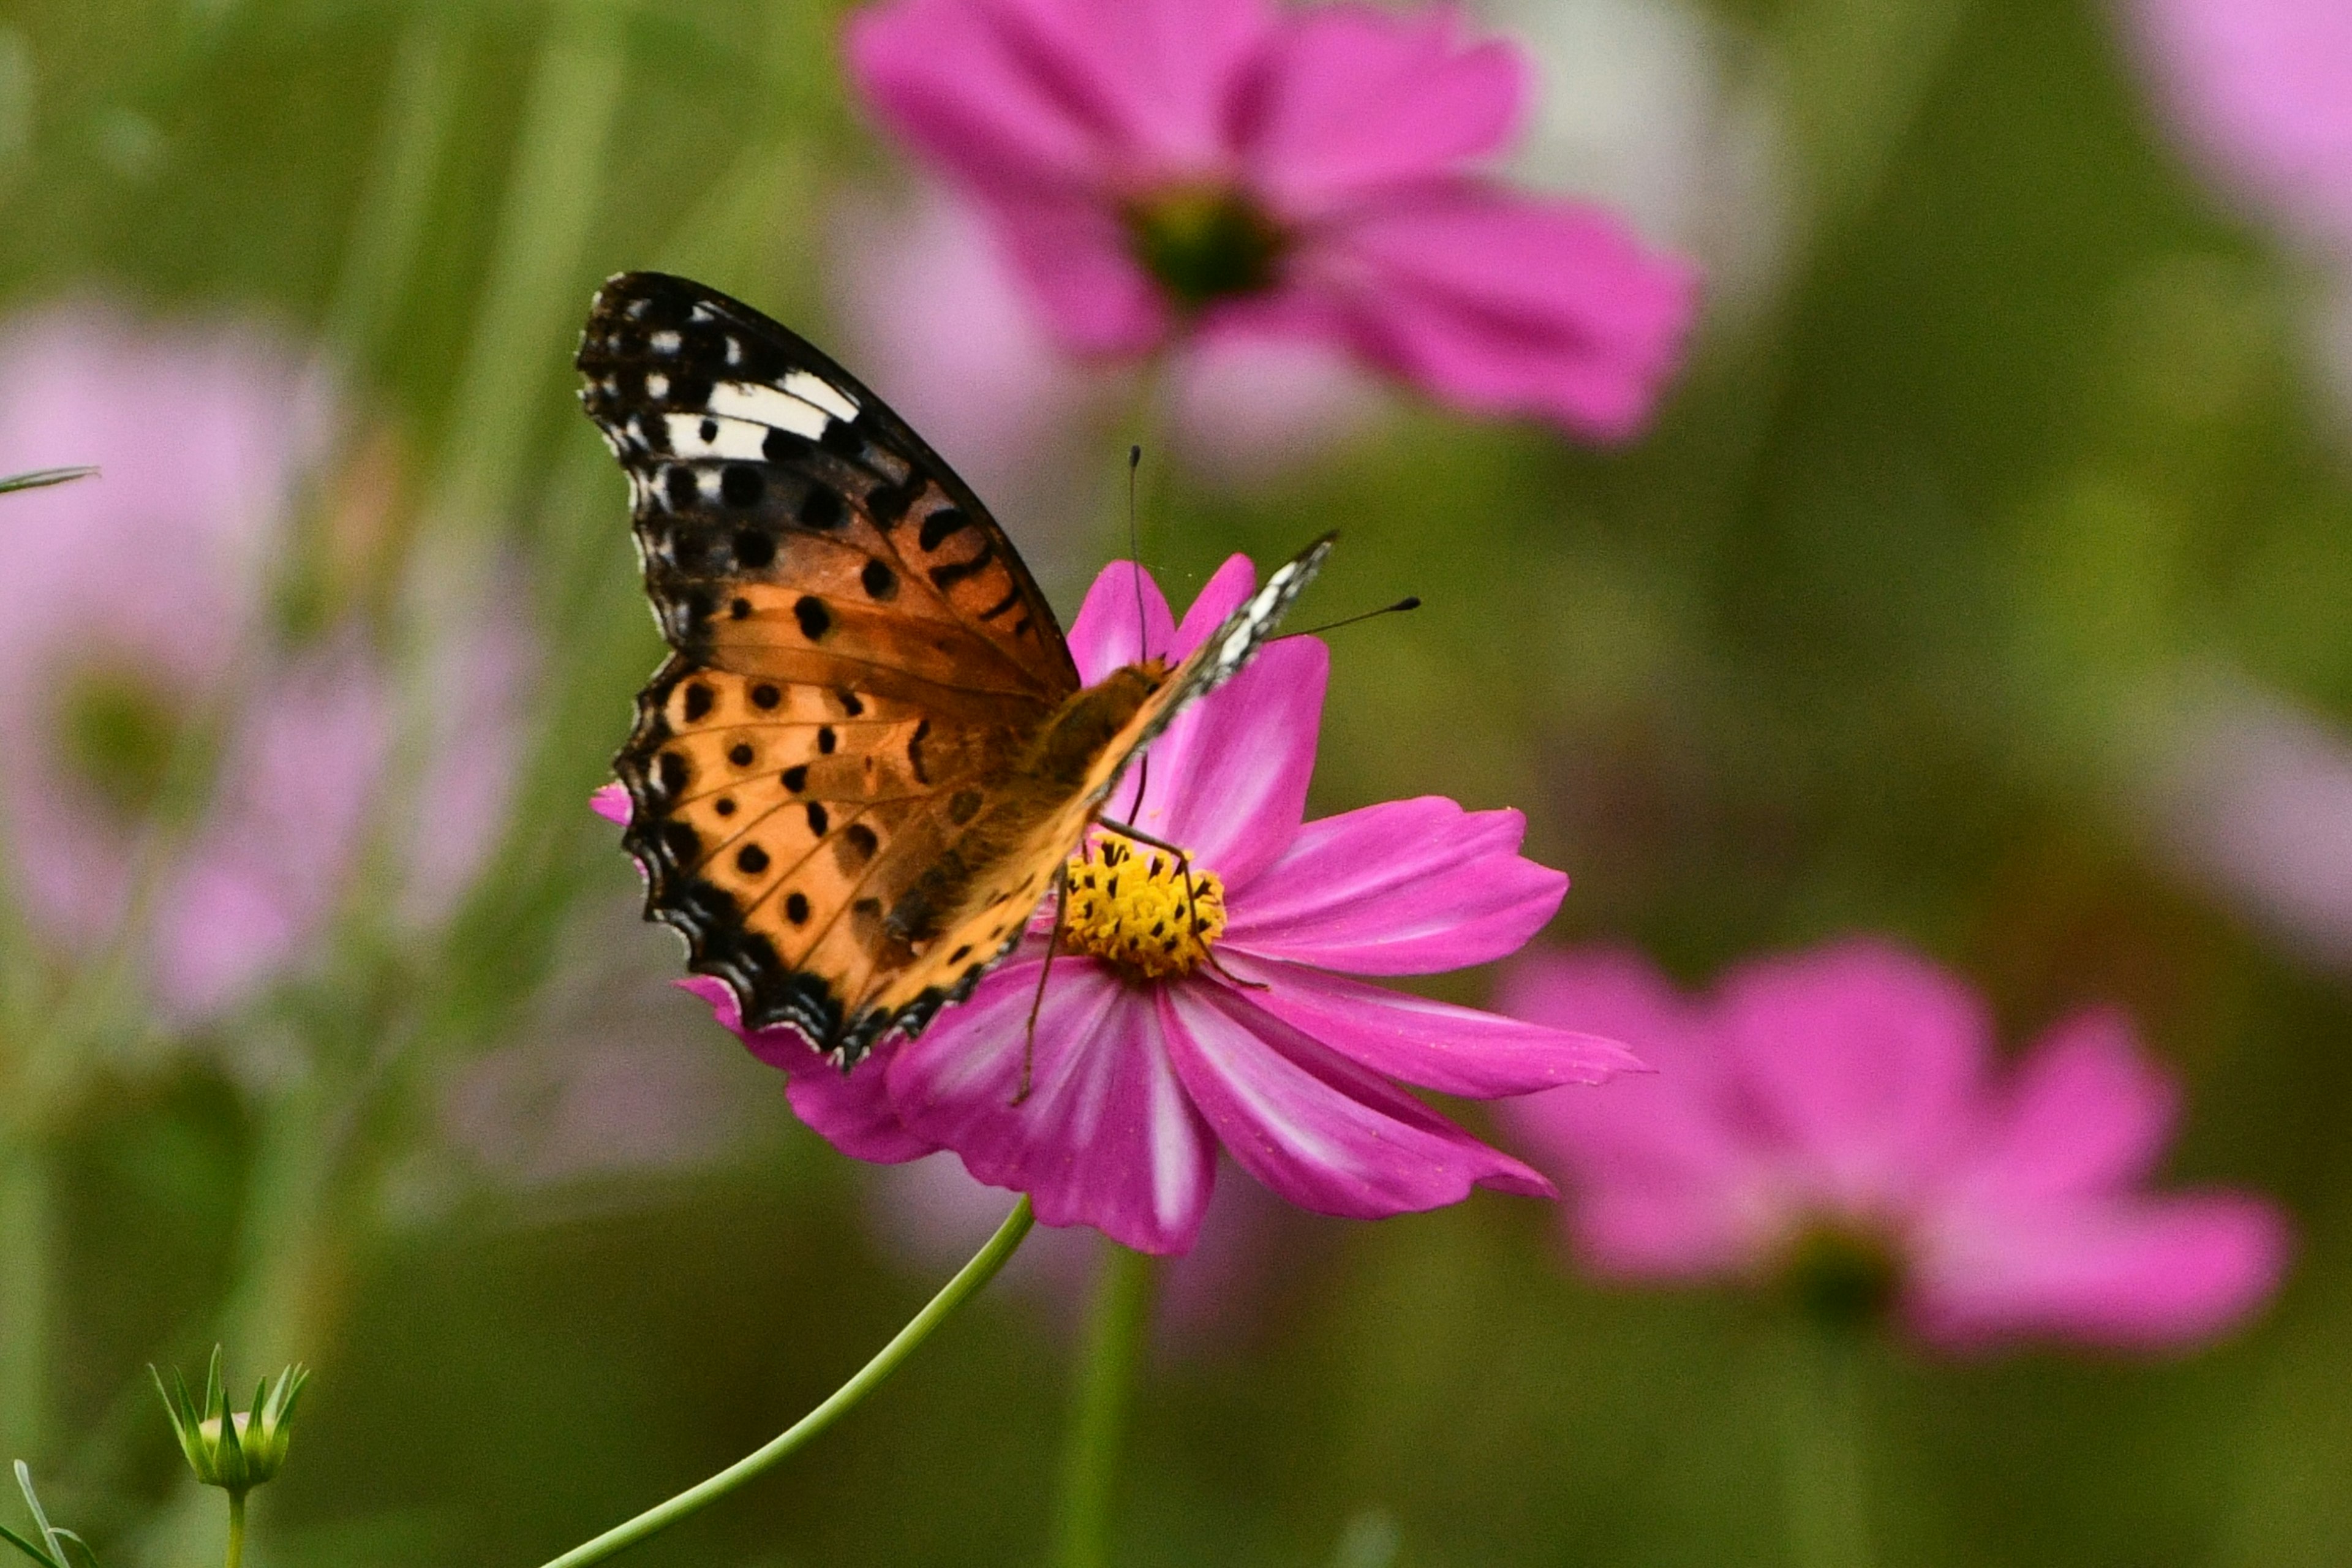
27 1253
236 1531
1117 1321
1828 1523
960 1290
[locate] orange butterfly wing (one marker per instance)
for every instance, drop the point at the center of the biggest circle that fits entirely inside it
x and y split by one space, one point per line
854 778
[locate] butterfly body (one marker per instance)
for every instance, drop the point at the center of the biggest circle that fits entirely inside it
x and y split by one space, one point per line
870 751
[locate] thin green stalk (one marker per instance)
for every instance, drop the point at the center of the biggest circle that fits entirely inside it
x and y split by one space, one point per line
236 1531
1118 1320
27 1256
532 299
958 1291
1829 1510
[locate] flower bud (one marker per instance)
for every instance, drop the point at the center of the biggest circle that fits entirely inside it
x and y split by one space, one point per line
235 1450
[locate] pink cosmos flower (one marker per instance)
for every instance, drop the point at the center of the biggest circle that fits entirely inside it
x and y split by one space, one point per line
1223 167
948 333
1833 1122
1254 1038
2262 91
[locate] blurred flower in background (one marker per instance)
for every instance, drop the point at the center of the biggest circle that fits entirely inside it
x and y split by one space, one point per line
179 756
2260 91
2253 793
1173 172
135 641
1829 1124
1145 1064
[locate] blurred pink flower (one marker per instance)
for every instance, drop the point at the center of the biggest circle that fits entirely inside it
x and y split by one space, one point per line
1212 168
1832 1121
949 336
1259 1047
2261 93
134 628
2252 792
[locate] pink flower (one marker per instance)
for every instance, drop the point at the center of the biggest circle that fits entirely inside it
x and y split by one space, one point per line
1253 1038
1833 1122
945 330
1219 167
135 630
131 610
2262 91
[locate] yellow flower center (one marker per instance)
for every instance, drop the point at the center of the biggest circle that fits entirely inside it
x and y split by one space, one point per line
1132 908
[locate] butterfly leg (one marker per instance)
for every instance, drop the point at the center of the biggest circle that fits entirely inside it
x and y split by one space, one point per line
1184 869
1053 945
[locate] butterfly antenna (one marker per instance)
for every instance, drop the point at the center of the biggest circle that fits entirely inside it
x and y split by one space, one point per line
1135 554
1142 627
1410 602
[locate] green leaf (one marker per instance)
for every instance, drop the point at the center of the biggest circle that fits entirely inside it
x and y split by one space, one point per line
76 1551
40 1515
40 478
27 1548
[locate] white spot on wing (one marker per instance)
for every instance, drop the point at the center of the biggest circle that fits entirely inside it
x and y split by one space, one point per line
767 405
810 388
665 343
657 385
728 439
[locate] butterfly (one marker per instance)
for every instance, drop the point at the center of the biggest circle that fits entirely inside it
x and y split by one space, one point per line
869 754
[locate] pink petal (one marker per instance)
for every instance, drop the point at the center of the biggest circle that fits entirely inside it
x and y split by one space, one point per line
850 1110
1105 635
2088 1112
1106 1136
1407 886
1219 597
611 802
1455 1050
1320 1130
1228 779
1312 147
1051 112
1864 1064
2263 92
1072 262
298 784
2146 1274
1664 1183
1495 303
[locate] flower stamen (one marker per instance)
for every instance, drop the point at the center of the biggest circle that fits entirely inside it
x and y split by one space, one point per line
1141 910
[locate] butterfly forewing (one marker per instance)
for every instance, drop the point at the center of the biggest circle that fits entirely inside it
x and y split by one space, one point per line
754 460
834 781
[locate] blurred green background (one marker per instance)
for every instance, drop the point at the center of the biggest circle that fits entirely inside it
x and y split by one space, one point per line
2003 464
